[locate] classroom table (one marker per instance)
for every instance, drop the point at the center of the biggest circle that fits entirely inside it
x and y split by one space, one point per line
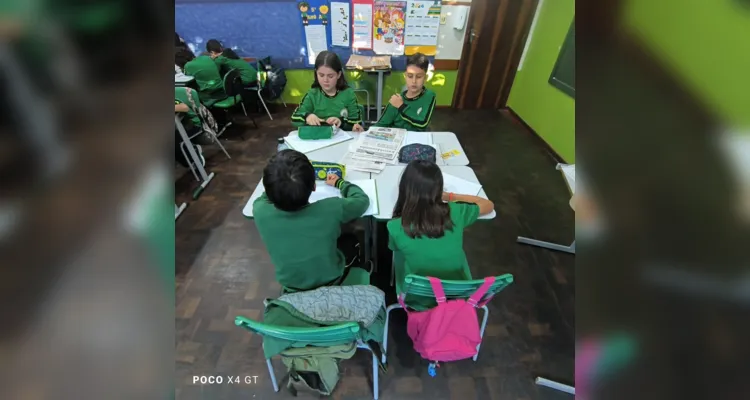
182 80
569 176
204 177
448 141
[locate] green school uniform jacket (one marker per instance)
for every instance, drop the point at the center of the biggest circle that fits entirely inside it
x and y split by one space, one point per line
207 77
248 73
180 96
442 257
413 115
302 244
317 102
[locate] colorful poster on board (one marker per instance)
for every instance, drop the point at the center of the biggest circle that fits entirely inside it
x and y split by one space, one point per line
362 24
340 28
388 27
422 24
314 15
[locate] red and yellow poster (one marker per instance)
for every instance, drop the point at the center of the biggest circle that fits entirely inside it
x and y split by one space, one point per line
388 23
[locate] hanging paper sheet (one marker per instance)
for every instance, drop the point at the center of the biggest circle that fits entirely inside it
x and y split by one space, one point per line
388 27
362 24
340 24
422 24
314 15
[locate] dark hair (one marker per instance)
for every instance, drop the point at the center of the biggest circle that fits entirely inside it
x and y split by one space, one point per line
182 56
213 46
289 178
303 4
418 60
420 201
177 39
331 60
230 54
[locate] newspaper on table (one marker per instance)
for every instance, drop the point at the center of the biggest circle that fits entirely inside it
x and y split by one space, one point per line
375 149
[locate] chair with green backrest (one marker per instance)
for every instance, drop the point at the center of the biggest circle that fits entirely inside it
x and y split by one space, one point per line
419 286
361 86
319 337
233 88
258 88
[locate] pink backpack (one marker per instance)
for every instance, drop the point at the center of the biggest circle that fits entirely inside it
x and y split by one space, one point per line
450 331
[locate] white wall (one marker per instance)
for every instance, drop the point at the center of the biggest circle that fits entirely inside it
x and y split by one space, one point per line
450 40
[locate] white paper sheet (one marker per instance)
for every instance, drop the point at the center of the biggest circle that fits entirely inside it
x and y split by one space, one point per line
316 41
418 137
340 24
323 191
454 184
306 146
362 26
421 26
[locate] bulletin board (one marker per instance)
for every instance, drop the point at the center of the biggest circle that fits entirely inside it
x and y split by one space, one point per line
255 28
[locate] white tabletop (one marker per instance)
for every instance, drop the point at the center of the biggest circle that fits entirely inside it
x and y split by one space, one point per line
388 181
448 141
182 78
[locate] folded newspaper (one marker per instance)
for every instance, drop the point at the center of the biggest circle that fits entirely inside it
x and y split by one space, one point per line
374 150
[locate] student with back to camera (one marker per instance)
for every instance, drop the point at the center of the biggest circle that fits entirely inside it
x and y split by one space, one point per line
412 109
227 60
426 232
302 237
329 100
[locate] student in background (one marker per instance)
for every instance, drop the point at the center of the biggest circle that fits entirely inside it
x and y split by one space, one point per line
412 109
330 100
207 78
192 124
227 60
301 237
427 230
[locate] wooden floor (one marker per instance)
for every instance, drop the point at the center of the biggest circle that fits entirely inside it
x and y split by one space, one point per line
223 270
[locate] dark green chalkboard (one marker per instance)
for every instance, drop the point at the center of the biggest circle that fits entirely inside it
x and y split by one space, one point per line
563 75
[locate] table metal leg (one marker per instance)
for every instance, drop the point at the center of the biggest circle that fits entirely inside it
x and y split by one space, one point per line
547 245
179 210
375 244
556 386
206 178
379 104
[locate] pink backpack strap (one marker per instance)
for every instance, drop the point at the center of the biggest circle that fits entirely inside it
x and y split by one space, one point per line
437 289
477 296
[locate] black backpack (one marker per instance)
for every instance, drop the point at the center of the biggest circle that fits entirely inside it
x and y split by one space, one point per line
275 79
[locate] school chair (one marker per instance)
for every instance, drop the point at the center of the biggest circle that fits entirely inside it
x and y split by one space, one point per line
233 90
214 137
319 337
360 86
419 286
258 88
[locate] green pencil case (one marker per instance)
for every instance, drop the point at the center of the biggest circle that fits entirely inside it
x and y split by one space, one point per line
308 132
322 169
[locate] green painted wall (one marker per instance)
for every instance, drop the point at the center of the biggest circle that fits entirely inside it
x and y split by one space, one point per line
706 44
550 112
441 82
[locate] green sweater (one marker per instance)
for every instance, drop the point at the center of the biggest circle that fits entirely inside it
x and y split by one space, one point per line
207 77
248 73
413 115
302 244
325 106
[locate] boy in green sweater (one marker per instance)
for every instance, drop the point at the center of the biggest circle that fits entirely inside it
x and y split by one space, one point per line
208 79
301 237
330 100
412 109
227 60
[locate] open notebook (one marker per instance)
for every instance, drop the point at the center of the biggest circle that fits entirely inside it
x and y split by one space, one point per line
454 184
323 191
306 146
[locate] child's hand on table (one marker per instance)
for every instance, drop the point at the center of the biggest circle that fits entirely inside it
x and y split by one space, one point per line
313 119
333 121
332 179
358 128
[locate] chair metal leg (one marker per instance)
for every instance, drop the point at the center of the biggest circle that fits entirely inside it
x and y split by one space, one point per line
264 105
190 163
243 108
556 386
385 329
221 146
547 245
375 369
481 330
273 375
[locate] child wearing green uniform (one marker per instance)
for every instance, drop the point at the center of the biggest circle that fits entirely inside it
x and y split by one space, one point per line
301 237
330 100
208 79
427 230
227 60
412 109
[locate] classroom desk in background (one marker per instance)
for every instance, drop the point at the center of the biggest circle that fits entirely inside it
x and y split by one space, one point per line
182 80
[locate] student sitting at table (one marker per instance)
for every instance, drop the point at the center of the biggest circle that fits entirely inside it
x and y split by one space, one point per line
227 60
412 109
207 78
330 100
301 237
427 230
